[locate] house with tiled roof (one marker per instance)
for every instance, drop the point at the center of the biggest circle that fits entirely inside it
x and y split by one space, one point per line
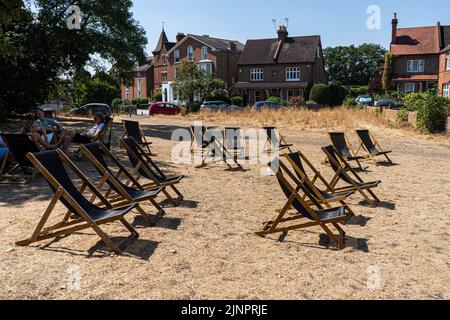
140 84
417 56
283 67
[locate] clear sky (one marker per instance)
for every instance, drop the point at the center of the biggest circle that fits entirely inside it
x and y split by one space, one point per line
341 22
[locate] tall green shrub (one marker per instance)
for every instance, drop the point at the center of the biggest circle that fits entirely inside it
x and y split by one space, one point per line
237 101
320 94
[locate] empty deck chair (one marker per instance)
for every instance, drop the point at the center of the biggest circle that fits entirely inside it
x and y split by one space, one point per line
82 214
133 130
145 167
276 140
314 217
341 143
21 169
326 198
343 171
371 146
118 192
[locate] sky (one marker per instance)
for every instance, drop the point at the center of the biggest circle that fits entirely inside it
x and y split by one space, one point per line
339 23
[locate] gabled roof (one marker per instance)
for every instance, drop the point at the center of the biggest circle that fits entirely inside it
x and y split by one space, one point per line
163 41
446 37
213 43
144 67
293 50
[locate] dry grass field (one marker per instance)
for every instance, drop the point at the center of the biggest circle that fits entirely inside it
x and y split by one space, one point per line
206 247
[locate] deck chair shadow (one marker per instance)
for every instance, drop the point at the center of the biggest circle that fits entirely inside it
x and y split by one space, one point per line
276 140
343 145
322 217
118 193
102 137
21 170
82 214
134 130
344 172
145 167
371 146
325 198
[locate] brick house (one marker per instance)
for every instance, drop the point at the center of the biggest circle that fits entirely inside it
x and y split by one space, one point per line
218 57
444 71
416 66
141 84
283 67
160 61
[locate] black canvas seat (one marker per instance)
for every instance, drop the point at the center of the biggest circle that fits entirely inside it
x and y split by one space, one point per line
343 146
276 140
19 146
343 171
82 213
371 146
133 130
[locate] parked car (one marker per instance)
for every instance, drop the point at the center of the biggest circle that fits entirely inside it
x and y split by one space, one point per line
390 104
164 108
92 108
213 106
364 101
266 105
232 108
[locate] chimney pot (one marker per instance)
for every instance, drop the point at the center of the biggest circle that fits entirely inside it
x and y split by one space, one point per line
282 33
394 29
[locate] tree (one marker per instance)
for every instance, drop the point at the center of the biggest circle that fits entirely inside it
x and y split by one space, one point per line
320 93
47 50
354 65
387 72
100 88
194 85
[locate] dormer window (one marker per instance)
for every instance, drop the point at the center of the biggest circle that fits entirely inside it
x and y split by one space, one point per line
190 53
416 66
447 63
176 56
204 53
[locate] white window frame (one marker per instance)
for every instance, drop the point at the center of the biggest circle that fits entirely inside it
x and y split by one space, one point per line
176 57
190 53
293 74
139 87
256 74
447 61
204 53
416 66
413 87
445 90
206 66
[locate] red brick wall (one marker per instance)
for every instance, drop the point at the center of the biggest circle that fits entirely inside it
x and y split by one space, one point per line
444 75
146 86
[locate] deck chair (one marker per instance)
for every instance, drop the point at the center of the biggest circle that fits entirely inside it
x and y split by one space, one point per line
316 217
343 171
209 146
274 138
21 169
133 130
119 193
371 146
102 137
82 214
342 144
326 198
145 167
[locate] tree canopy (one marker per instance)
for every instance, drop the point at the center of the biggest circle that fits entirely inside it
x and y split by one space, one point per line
38 49
354 65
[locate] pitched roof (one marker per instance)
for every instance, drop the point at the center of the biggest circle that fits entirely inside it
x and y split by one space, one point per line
446 37
163 41
293 50
420 40
214 43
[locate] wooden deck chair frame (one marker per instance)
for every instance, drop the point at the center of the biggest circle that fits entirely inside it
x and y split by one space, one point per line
120 197
357 184
349 146
311 184
144 142
69 223
269 143
278 225
145 160
368 154
108 126
8 175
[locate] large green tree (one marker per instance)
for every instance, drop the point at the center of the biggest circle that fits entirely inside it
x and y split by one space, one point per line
48 49
354 65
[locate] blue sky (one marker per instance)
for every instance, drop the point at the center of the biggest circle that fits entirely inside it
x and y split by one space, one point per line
338 22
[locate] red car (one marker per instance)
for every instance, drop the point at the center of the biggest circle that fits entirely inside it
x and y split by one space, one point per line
164 108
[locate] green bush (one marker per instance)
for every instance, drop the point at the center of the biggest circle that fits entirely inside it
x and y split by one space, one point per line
158 97
355 91
320 93
274 99
337 94
116 102
349 102
402 115
237 101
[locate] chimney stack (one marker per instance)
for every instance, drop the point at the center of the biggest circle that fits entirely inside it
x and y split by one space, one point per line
233 46
440 36
394 29
282 33
180 36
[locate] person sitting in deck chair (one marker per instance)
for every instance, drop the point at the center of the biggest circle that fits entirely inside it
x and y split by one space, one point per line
40 137
49 124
